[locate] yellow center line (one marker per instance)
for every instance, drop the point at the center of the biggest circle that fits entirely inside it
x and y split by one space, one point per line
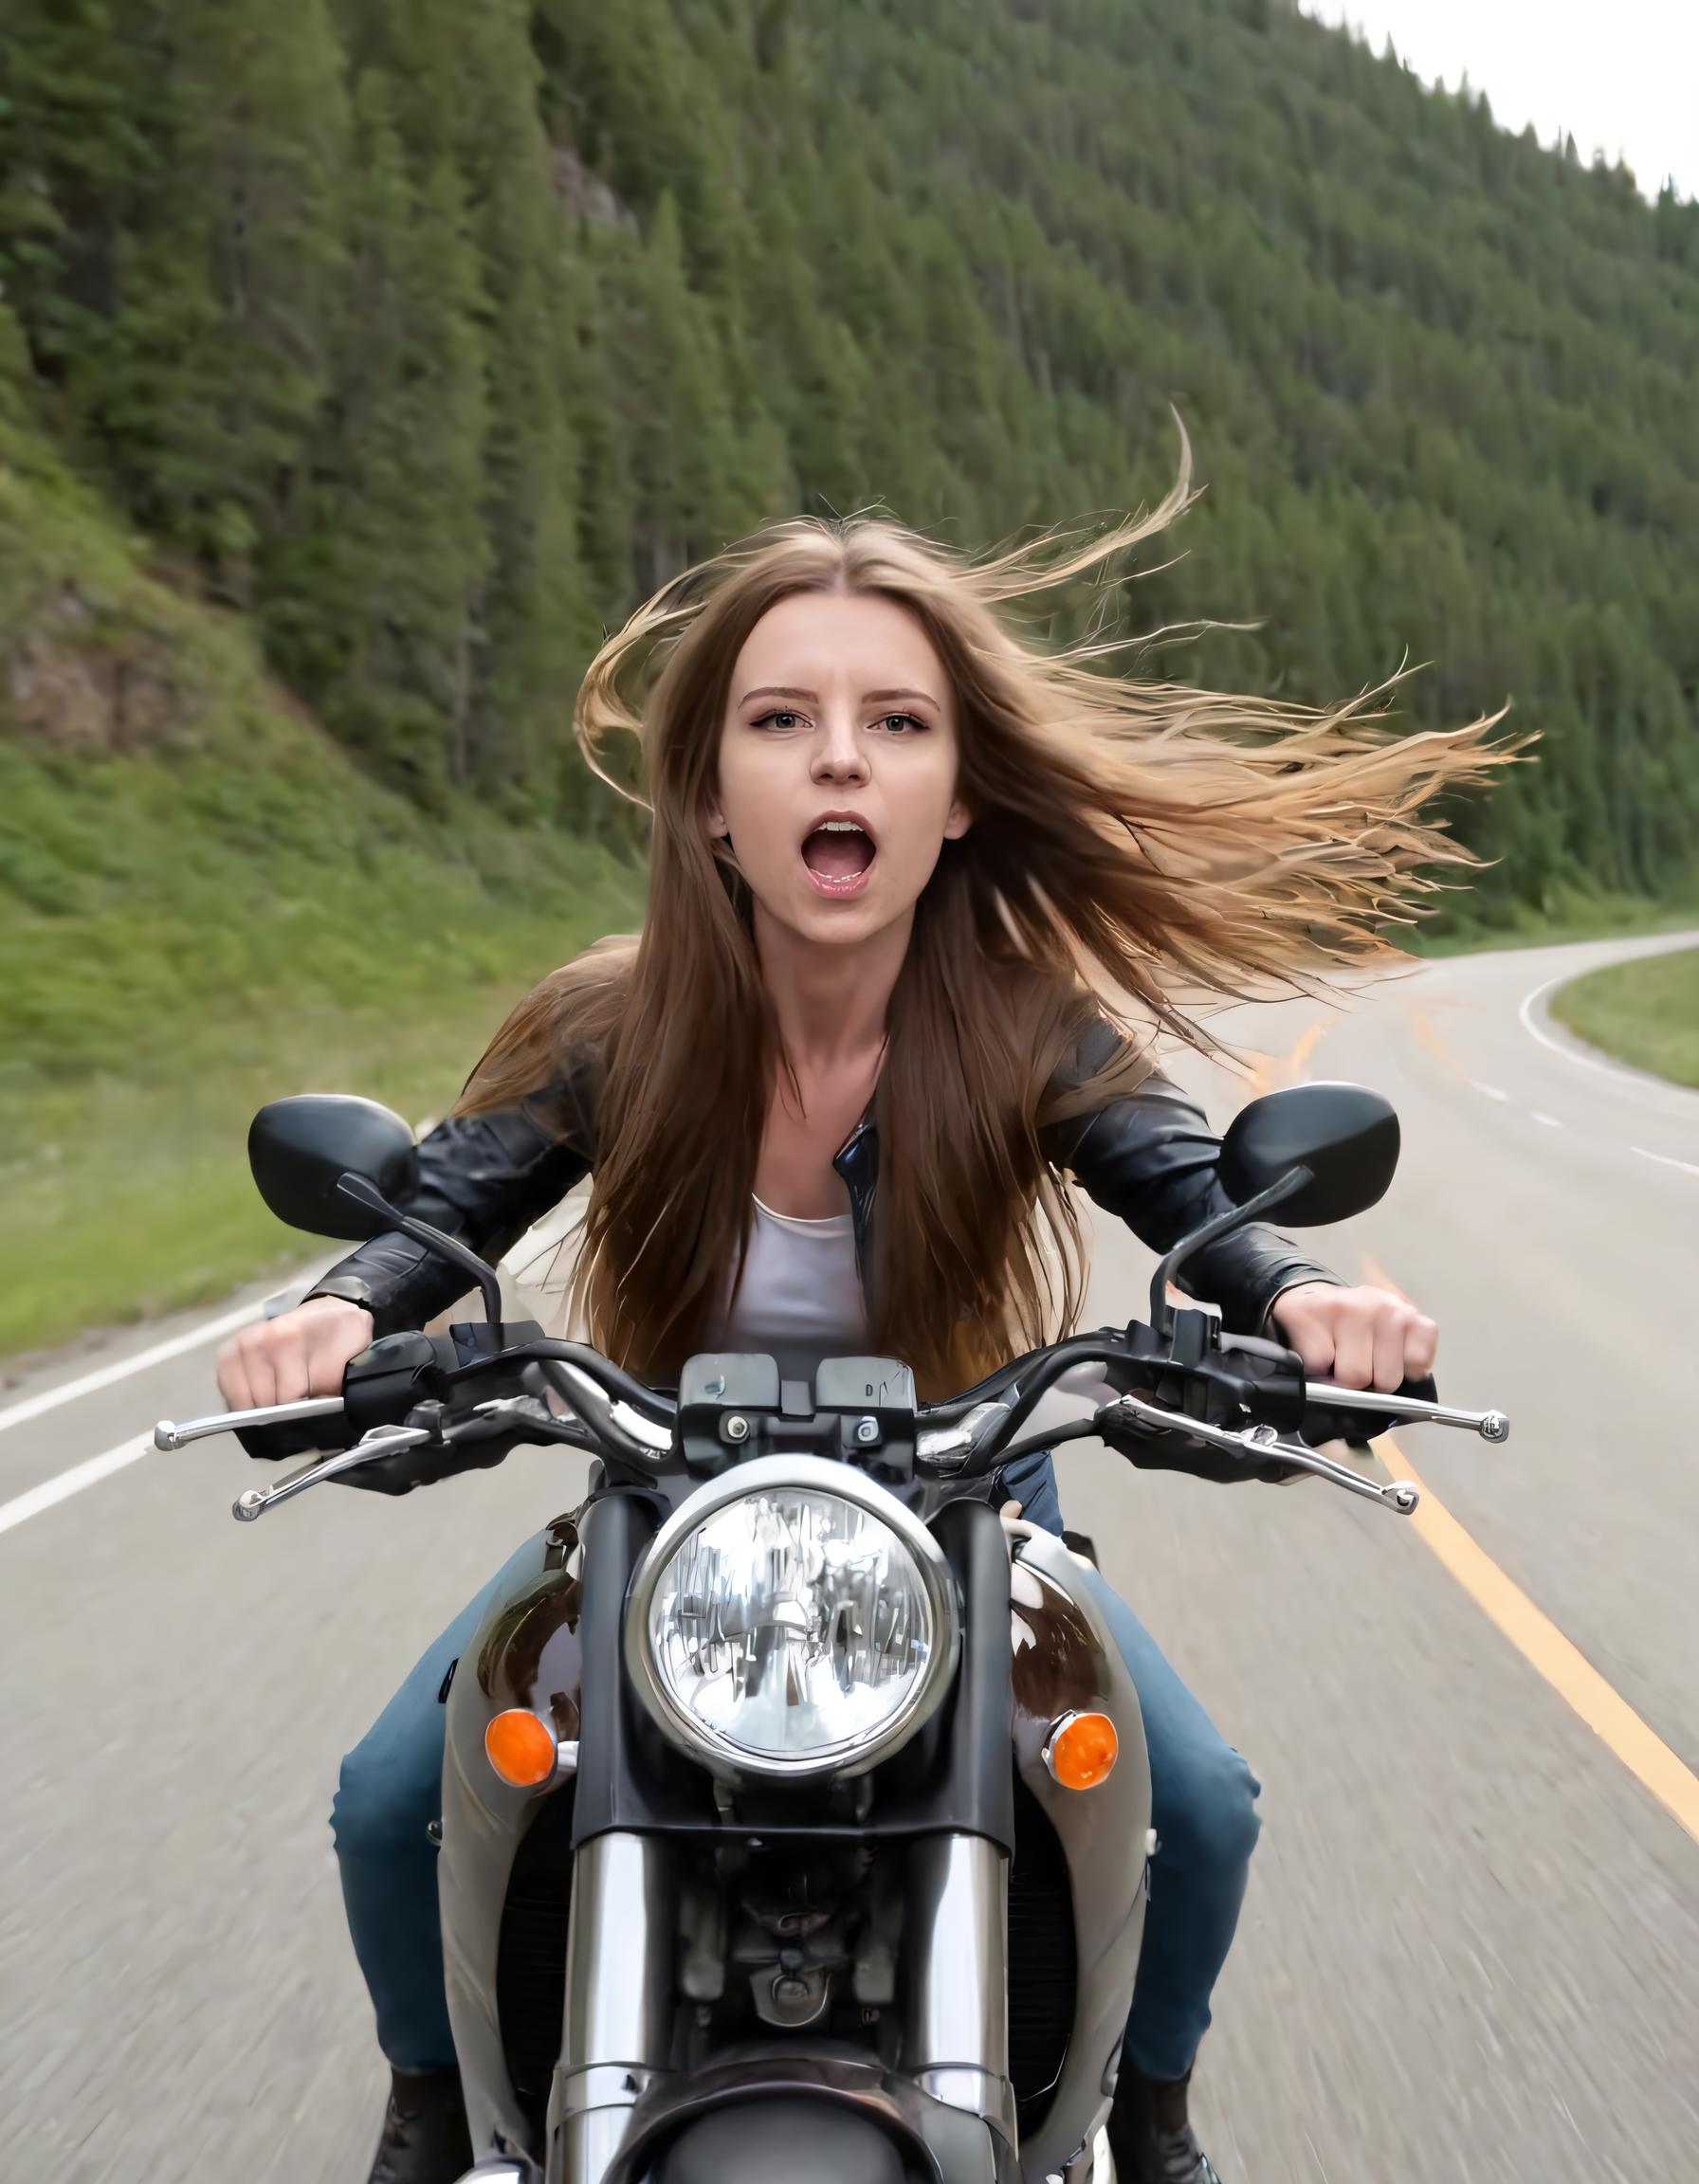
1312 1037
1428 1040
1571 1675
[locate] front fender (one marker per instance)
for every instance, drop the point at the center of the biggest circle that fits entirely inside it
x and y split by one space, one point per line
757 2143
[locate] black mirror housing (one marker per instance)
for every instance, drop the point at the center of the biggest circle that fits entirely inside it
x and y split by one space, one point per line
300 1148
1346 1135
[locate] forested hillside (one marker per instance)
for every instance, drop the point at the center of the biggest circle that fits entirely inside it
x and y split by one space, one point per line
435 336
205 905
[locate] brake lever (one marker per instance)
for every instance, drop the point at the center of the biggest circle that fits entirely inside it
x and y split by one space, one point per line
1261 1445
382 1441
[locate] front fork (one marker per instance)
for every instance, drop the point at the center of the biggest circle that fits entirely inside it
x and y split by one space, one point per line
617 2036
956 2018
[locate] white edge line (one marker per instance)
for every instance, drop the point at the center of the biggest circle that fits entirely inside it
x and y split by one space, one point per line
1669 1161
1620 1071
1525 1016
1491 1091
86 1384
72 1482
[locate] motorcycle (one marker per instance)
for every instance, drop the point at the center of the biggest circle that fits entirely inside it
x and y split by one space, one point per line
795 1807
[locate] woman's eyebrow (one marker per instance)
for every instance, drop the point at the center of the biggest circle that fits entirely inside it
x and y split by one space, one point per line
868 697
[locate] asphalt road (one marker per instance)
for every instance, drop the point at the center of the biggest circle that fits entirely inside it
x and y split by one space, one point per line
1470 1948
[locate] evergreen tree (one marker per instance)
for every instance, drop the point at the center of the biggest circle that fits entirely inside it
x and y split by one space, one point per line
191 322
597 289
375 608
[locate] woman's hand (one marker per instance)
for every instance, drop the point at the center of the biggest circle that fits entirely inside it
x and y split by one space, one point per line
297 1355
1360 1337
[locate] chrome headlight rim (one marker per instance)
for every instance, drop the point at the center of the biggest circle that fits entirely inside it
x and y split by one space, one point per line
807 1474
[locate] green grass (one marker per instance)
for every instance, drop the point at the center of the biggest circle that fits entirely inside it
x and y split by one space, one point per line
233 913
128 1195
1646 1014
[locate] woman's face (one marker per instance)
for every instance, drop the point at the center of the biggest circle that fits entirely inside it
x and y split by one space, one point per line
838 764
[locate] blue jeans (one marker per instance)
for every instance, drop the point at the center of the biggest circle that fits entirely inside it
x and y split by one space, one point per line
1203 1809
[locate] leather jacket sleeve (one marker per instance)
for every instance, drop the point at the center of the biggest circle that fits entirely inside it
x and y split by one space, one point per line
485 1180
1150 1156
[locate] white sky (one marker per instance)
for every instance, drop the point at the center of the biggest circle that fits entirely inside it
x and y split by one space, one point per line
1622 76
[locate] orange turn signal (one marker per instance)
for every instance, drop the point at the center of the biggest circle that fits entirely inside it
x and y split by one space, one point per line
520 1747
1082 1750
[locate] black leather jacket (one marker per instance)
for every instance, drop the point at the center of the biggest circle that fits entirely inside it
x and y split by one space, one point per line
1149 1158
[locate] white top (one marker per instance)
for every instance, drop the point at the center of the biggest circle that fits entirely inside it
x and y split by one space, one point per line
799 1299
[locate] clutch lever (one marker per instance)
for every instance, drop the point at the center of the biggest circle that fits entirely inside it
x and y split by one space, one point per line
1261 1445
526 1414
382 1441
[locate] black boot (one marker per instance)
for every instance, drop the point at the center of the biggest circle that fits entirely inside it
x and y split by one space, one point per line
425 2136
1150 2135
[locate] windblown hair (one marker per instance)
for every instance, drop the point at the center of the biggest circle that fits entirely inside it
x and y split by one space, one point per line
1140 850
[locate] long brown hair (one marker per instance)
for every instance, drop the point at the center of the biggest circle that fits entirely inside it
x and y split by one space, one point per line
1139 849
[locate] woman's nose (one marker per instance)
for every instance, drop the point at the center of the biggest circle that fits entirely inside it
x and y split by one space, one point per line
839 754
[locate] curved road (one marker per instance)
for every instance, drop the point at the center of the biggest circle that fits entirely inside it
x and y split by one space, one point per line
1471 1944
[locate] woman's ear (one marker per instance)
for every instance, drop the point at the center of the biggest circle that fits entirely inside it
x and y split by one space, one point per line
714 819
959 820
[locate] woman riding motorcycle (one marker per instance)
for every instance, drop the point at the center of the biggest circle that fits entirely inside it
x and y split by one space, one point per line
830 1097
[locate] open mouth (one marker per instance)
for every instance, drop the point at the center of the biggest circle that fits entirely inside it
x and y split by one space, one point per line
839 854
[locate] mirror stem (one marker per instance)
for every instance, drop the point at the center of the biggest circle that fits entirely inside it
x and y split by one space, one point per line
1282 1186
488 1281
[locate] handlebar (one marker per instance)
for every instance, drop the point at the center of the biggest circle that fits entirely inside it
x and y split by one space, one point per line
1245 1401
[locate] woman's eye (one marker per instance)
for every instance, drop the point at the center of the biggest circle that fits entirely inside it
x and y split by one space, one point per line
895 723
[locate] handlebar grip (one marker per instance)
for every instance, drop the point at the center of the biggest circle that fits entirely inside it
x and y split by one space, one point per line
1322 1422
380 1385
386 1382
300 1437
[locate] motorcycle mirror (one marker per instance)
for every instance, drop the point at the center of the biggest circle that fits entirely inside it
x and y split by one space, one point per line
299 1148
1346 1135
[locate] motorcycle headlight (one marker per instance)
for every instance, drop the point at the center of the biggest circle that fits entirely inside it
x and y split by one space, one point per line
792 1618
